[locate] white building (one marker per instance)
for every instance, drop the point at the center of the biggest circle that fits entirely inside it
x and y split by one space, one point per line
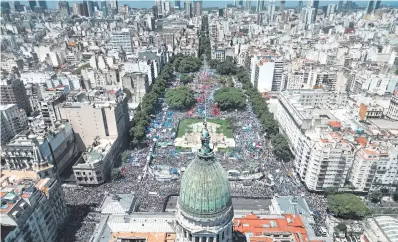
267 73
40 150
13 121
323 159
95 164
297 111
381 228
392 112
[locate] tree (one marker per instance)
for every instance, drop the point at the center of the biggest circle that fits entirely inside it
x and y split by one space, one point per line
347 206
269 125
213 63
124 155
128 93
116 174
187 64
385 191
226 68
230 98
185 78
180 98
375 196
395 196
138 132
331 191
280 147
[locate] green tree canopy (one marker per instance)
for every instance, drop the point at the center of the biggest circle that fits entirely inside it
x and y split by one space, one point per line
230 98
348 206
280 147
395 196
375 196
226 68
185 78
116 174
213 63
180 98
187 64
128 93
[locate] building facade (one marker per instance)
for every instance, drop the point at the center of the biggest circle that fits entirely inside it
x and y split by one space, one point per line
33 209
14 92
13 121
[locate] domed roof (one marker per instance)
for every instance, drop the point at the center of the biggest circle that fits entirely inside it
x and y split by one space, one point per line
204 187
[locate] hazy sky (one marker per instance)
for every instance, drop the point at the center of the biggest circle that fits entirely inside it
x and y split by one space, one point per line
212 3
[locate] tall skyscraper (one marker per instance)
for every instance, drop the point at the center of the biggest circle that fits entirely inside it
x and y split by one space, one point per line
188 8
32 5
248 5
370 7
299 6
282 6
260 5
315 5
197 8
43 5
177 3
114 5
271 11
63 7
84 9
377 6
155 11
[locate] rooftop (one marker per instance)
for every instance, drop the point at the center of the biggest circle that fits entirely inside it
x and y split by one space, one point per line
16 185
256 228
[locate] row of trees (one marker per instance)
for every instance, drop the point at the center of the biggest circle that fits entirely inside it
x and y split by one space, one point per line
180 98
280 144
230 98
187 64
149 103
204 40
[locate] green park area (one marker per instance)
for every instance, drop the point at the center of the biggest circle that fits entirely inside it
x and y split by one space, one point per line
225 127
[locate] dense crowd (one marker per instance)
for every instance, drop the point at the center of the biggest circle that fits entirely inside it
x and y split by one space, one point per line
252 154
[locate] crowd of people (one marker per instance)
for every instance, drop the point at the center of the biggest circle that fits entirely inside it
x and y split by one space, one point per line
252 153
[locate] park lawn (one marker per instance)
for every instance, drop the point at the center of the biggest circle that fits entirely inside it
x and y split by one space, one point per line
225 127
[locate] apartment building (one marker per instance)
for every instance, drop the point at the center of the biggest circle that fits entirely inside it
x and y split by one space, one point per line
392 112
364 168
41 150
32 208
137 83
13 121
14 92
267 73
121 39
298 111
386 175
324 159
96 162
97 114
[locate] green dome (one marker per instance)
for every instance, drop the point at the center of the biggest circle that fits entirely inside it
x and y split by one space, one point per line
204 187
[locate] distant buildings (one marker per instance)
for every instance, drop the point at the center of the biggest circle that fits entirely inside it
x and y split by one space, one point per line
32 209
197 8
